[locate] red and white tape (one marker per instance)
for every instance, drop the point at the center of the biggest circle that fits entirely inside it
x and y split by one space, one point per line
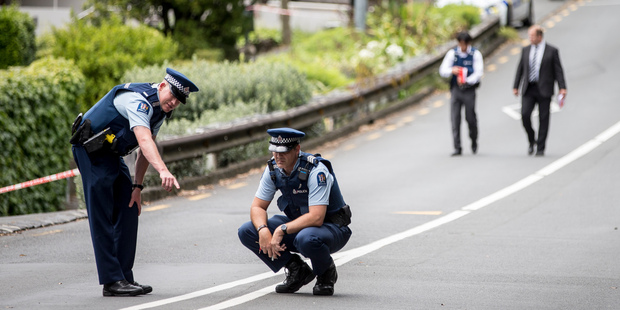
49 178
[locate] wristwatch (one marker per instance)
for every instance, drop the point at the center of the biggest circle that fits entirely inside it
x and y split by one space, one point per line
283 227
134 186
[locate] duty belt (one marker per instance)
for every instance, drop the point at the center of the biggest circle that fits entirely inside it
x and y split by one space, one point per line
341 217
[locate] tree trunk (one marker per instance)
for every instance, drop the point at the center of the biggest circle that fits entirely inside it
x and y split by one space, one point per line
286 24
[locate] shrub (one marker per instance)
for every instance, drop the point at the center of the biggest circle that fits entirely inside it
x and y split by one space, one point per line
37 108
229 91
103 53
17 38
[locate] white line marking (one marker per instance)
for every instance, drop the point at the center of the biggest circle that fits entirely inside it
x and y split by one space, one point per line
514 110
511 110
344 257
341 258
207 291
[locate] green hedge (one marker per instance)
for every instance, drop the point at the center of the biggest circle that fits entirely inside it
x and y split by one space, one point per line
37 107
17 38
229 91
104 52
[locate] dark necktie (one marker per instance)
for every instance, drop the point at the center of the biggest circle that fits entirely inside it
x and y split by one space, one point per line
533 71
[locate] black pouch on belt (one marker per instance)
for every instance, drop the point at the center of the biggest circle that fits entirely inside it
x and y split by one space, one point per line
341 218
81 133
98 142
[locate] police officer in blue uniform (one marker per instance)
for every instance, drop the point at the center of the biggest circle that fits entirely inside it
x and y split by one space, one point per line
315 221
129 116
463 92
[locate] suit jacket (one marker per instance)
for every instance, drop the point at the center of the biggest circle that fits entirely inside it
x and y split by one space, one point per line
550 71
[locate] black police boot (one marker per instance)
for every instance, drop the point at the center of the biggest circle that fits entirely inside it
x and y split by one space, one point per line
325 282
298 274
145 288
121 288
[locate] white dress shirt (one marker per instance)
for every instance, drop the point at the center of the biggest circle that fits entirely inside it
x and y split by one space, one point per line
540 50
445 70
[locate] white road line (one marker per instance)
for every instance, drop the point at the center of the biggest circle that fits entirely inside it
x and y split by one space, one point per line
514 110
344 257
204 292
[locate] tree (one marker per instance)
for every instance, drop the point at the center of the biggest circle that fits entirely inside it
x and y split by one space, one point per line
195 25
17 38
105 51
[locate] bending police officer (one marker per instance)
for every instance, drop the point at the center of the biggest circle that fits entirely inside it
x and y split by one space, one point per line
129 116
316 217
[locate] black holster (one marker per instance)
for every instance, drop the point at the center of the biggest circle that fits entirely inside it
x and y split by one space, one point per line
341 218
97 142
81 132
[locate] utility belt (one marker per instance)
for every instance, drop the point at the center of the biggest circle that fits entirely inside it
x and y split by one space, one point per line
468 86
102 142
341 217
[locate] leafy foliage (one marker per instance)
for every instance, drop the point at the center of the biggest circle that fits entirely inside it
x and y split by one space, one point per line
103 53
337 57
195 25
37 108
17 38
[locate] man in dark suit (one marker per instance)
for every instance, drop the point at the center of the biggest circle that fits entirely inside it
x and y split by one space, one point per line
538 70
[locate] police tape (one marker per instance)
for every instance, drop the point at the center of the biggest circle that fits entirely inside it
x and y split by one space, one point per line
47 179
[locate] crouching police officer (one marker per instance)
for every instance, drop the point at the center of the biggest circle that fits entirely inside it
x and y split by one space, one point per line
129 116
316 217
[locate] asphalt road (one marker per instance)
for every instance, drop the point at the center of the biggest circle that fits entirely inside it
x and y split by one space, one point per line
496 230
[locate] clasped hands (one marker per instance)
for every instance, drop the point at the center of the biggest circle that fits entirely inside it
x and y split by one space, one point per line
271 244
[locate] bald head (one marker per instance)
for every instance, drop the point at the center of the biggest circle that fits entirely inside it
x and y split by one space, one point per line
535 34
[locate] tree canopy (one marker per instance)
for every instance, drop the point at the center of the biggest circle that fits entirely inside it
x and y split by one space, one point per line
195 25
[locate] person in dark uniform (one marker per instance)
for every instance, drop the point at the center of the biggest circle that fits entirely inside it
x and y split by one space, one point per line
537 72
464 66
315 221
129 116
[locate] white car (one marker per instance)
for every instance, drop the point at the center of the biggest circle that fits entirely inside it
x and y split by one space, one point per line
509 11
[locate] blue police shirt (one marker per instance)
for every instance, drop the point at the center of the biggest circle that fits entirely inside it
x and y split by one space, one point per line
135 108
317 195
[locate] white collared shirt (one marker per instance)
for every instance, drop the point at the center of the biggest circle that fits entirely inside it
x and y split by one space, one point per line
445 70
540 50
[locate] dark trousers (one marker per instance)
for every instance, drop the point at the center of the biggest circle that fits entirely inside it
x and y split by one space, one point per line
113 225
528 102
463 98
315 243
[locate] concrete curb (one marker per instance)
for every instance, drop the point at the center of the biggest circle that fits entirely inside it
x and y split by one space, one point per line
13 224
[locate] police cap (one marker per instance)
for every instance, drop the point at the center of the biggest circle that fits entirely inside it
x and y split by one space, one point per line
180 85
284 139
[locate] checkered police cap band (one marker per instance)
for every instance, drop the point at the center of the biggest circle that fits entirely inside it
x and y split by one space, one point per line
284 141
177 85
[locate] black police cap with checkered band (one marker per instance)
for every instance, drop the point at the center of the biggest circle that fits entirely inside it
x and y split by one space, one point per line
284 139
180 85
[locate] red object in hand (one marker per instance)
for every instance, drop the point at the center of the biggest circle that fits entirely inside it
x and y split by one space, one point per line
561 100
461 78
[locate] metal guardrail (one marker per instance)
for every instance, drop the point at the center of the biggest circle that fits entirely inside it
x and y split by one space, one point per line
361 104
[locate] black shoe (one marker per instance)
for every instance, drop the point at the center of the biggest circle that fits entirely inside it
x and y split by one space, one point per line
530 149
325 282
298 274
121 288
540 153
457 152
474 147
146 288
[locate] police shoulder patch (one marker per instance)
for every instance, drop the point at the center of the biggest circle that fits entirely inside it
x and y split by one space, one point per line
144 108
321 179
